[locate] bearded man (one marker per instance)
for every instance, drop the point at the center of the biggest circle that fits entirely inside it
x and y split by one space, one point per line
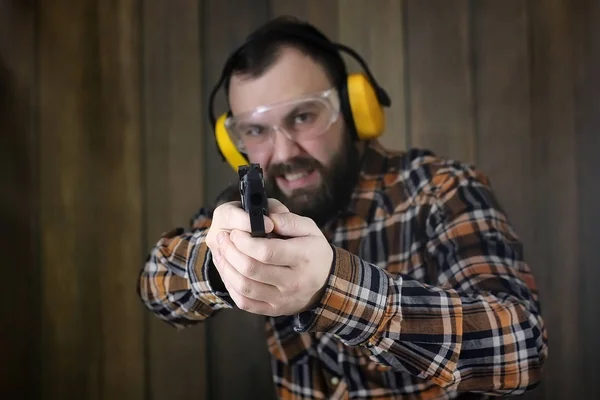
389 275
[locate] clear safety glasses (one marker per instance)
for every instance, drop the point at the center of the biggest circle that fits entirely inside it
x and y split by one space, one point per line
300 119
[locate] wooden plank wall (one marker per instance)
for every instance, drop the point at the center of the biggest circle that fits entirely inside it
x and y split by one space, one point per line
20 371
91 200
106 145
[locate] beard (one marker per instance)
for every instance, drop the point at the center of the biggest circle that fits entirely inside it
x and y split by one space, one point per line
321 204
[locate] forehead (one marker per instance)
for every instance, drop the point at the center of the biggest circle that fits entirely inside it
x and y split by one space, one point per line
292 75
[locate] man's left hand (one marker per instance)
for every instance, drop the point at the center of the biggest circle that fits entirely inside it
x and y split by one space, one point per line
272 276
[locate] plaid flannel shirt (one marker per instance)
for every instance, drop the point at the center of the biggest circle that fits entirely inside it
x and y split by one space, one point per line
429 295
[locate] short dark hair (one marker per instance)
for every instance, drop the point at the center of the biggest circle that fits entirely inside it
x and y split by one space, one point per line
263 46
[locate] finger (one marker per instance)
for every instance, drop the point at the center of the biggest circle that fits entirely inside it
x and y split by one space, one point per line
272 257
275 206
251 268
294 225
263 253
250 305
243 302
246 287
231 216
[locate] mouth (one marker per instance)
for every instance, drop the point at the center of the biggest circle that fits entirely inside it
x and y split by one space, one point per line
297 179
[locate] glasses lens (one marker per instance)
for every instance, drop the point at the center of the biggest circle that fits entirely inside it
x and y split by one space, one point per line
300 120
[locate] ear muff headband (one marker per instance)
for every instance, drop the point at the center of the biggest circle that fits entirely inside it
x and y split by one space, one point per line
362 100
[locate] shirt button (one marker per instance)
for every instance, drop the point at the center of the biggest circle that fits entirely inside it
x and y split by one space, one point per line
335 380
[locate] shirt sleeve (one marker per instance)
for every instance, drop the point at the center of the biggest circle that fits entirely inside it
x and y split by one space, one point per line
478 328
179 282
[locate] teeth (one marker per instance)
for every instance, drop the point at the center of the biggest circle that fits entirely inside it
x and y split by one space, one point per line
293 177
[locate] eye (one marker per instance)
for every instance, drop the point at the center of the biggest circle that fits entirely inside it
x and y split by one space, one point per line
252 130
303 118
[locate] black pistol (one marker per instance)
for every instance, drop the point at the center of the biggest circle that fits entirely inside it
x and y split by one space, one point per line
254 197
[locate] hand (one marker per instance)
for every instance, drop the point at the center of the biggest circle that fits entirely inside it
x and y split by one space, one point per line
276 276
230 215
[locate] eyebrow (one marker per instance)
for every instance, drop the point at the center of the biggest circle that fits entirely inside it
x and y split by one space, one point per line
298 108
287 115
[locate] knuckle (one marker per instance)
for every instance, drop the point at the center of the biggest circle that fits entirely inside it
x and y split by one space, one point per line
291 287
295 222
224 248
290 221
296 285
242 304
218 213
210 240
247 268
273 310
265 254
282 220
245 289
223 215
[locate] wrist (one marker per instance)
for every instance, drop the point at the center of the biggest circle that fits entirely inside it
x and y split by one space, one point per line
354 302
318 299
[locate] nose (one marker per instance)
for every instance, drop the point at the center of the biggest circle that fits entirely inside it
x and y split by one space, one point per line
284 148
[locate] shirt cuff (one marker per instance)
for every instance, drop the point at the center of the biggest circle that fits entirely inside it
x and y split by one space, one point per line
204 278
353 303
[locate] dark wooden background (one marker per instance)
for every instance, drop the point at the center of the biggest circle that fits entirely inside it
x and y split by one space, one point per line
105 144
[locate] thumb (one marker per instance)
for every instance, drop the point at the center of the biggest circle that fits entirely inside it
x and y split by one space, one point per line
275 206
293 225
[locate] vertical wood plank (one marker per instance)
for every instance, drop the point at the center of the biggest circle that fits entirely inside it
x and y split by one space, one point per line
70 363
91 200
322 14
19 331
588 178
173 176
377 34
439 78
502 84
219 40
236 343
554 175
502 97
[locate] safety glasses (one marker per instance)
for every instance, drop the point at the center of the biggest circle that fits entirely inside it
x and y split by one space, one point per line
300 119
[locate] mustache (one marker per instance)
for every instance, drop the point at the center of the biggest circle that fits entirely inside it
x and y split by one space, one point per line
296 164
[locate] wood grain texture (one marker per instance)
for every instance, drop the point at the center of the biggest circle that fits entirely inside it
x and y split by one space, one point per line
322 14
19 331
218 43
238 361
106 145
377 34
91 200
555 250
503 105
440 77
173 176
588 179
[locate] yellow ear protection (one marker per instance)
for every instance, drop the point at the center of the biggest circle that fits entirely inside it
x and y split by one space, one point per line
361 98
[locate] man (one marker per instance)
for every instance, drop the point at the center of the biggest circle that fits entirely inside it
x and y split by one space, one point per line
391 275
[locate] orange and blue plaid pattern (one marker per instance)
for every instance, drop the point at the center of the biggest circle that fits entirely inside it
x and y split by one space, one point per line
429 295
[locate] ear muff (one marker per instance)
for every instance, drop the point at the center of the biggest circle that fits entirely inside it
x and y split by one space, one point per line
228 149
365 108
